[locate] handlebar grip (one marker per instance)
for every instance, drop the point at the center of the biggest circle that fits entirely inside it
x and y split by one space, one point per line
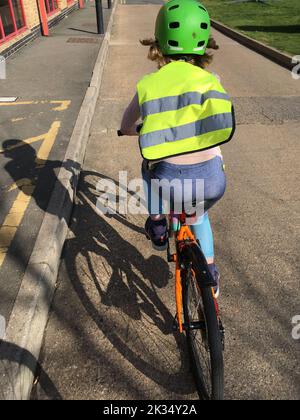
138 129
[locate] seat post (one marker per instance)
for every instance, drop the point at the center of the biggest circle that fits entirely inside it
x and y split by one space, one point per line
182 219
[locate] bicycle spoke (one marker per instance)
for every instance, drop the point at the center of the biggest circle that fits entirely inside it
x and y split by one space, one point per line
196 311
204 352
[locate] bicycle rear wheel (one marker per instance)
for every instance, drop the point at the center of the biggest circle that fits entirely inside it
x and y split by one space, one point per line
203 335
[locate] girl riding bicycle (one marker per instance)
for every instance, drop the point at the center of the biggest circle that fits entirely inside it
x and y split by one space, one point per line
186 116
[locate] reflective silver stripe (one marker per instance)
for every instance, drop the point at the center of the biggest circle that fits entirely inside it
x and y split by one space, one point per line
197 128
172 103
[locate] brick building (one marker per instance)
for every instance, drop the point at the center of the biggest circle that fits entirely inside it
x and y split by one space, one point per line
20 20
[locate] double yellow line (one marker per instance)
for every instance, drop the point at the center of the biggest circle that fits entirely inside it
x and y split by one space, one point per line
15 216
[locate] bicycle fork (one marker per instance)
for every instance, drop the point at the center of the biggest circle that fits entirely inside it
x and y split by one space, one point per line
178 323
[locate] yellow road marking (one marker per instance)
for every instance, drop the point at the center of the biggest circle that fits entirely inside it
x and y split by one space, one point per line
49 138
13 220
18 103
21 144
15 216
44 151
18 119
63 105
24 182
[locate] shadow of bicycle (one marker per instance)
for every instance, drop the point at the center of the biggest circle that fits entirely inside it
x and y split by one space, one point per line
10 356
127 294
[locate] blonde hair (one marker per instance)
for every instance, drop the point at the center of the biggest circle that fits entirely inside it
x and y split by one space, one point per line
155 54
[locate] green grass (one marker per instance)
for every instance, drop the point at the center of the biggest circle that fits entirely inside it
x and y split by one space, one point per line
276 23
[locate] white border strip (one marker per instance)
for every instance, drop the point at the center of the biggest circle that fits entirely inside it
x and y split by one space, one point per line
8 99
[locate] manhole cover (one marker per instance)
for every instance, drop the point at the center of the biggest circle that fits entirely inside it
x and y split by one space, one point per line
85 40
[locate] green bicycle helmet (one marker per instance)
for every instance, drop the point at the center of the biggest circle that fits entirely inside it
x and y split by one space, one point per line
182 27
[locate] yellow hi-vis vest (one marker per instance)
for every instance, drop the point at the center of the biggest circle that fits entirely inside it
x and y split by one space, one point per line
184 110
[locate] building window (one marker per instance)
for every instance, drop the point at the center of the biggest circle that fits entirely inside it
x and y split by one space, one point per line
11 18
51 6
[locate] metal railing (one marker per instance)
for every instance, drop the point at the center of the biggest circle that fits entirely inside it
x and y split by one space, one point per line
99 12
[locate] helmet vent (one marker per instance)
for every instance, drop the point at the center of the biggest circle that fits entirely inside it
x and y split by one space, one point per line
203 8
173 43
174 25
201 44
174 7
204 25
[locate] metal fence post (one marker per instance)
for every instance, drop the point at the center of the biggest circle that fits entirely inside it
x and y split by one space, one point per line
99 13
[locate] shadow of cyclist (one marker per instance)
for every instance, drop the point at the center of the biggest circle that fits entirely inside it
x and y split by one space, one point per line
35 177
131 282
101 262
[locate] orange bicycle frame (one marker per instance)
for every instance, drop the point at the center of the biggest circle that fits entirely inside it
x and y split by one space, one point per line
182 235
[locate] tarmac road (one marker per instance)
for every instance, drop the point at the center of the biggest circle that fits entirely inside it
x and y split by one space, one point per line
109 335
49 77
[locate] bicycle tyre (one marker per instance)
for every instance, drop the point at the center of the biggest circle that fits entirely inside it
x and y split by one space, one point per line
191 282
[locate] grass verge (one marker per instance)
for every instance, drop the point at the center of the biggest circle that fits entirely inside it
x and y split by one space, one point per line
275 23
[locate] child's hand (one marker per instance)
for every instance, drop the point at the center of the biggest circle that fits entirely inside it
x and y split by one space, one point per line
134 131
130 118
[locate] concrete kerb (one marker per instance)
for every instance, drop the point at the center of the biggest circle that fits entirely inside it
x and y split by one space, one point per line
272 54
27 323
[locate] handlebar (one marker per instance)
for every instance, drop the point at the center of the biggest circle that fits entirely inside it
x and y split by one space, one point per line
138 130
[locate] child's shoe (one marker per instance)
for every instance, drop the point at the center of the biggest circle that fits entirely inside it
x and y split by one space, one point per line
156 230
216 276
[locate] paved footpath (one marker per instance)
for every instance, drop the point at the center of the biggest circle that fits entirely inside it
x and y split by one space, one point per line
110 331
